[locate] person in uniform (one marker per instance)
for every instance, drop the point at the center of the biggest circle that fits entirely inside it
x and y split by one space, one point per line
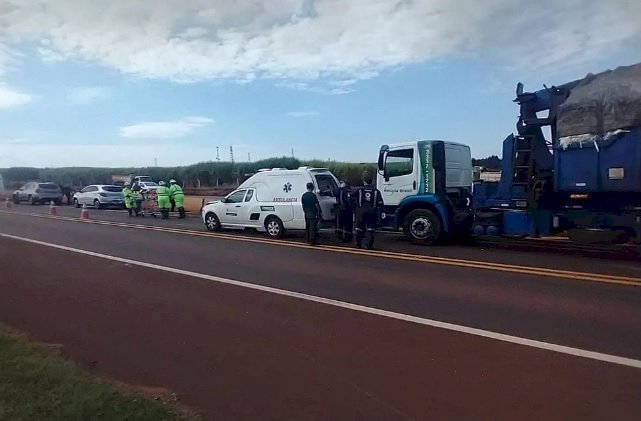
129 198
368 204
312 210
163 199
177 196
345 214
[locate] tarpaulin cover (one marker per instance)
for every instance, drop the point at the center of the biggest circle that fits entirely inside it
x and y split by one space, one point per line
602 103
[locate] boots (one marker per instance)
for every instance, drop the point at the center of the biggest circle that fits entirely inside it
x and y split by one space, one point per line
165 213
181 210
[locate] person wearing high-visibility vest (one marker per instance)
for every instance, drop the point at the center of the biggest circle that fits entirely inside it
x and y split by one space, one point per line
129 198
162 191
177 195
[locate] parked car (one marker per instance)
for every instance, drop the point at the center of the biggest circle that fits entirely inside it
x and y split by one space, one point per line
35 192
269 201
99 196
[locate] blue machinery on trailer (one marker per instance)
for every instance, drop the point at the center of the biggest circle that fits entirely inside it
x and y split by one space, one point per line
585 177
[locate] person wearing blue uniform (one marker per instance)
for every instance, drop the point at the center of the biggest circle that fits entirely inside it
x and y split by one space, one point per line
368 203
312 210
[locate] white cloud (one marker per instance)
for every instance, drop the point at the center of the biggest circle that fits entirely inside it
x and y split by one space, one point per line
300 114
326 40
85 95
10 98
165 129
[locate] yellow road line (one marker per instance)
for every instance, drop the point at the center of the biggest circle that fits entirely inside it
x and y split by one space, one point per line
474 264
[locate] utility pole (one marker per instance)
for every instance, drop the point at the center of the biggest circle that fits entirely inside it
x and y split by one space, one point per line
217 153
249 157
155 162
231 153
292 152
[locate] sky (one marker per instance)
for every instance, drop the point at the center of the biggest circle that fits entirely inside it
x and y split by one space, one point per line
133 83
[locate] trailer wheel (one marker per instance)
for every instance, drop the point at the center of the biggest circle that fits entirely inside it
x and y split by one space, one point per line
422 226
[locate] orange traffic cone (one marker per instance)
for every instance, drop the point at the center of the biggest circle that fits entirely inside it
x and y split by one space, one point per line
84 213
8 203
52 209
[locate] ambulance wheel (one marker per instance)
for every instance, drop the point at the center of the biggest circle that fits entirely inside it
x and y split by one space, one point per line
422 226
212 222
274 227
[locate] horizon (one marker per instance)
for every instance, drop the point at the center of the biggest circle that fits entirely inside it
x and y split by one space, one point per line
173 84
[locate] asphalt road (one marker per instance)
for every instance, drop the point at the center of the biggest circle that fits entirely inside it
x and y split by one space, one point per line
236 353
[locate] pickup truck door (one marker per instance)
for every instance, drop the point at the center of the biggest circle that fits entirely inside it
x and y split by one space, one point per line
233 207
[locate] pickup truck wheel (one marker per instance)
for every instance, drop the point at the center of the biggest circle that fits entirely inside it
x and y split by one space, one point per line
212 222
274 227
422 226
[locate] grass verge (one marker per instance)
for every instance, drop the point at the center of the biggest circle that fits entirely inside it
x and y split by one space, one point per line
38 384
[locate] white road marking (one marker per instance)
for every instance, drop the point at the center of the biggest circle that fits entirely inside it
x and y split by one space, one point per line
614 359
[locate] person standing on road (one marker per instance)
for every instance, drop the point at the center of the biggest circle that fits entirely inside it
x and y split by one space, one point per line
178 197
136 193
312 210
345 214
129 198
163 199
369 203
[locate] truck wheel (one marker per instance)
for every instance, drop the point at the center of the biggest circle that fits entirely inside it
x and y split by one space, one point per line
212 222
274 227
422 226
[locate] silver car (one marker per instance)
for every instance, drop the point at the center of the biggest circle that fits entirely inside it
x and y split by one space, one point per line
35 192
99 196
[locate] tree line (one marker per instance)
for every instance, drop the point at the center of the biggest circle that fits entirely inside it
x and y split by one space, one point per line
204 174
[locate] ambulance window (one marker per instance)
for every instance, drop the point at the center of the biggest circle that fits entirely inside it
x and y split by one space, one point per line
326 183
250 194
398 163
236 197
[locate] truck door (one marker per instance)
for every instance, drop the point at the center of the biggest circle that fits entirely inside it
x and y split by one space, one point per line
400 175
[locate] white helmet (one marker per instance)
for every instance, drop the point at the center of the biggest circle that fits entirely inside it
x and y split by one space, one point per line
172 181
161 183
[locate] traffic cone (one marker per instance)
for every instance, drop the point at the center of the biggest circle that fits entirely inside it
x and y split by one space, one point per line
84 213
52 209
8 203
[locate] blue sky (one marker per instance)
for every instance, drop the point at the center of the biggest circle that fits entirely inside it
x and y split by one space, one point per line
116 84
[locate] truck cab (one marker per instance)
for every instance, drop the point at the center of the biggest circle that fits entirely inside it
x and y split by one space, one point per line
426 187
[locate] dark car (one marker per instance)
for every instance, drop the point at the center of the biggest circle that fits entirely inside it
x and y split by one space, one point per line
35 192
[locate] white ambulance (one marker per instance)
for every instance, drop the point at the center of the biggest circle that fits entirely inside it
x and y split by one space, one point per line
270 201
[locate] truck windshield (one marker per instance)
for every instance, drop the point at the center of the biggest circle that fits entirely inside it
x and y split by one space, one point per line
326 183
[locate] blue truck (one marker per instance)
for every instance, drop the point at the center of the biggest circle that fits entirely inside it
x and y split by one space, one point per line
573 166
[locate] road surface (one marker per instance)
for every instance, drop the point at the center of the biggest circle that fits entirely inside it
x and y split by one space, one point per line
327 332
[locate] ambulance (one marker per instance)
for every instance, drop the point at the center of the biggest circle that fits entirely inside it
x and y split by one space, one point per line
270 201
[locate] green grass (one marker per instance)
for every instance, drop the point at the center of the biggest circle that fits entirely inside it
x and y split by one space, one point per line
37 384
